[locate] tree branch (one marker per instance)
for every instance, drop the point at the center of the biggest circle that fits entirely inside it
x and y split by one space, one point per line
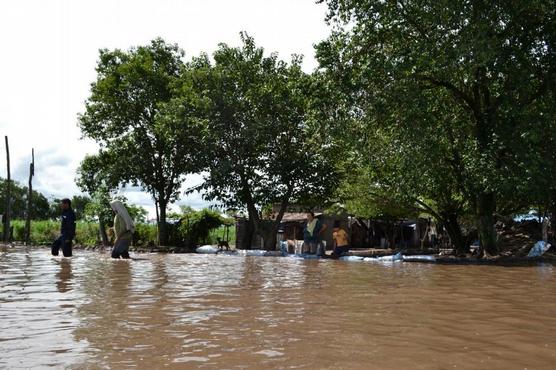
456 92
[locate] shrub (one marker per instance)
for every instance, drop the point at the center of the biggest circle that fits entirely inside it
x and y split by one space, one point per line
87 233
195 226
220 233
144 234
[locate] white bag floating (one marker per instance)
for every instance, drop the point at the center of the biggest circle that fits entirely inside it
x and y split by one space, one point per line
351 258
207 249
395 257
419 258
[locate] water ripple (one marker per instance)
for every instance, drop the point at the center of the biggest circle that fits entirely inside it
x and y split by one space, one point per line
177 311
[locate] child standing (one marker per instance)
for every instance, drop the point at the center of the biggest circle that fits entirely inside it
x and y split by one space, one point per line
341 242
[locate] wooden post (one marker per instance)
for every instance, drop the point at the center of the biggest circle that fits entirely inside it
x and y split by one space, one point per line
30 198
7 209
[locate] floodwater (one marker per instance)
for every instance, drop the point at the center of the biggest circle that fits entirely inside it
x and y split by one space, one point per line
218 312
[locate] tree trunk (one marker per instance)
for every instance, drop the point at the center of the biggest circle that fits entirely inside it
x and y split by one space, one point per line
102 231
552 226
454 231
245 242
545 227
391 234
162 225
157 221
268 232
270 229
30 198
486 206
7 209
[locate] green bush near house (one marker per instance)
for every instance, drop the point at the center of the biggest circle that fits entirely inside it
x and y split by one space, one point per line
221 233
144 234
198 227
87 233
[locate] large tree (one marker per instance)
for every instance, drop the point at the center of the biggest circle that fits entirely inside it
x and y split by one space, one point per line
264 144
127 115
473 75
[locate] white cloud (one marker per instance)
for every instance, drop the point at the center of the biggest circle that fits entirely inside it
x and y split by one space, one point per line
50 49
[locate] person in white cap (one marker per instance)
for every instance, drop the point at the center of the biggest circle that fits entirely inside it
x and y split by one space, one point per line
123 229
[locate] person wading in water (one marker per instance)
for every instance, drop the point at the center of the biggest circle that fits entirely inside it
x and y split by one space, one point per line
67 230
312 235
123 230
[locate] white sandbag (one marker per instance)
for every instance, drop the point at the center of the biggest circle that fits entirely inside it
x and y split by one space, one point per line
207 249
419 258
396 257
258 253
351 258
304 256
371 259
538 249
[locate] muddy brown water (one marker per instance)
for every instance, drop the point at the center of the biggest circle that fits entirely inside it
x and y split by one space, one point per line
221 312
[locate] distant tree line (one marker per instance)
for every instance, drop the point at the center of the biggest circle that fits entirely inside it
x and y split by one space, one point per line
45 209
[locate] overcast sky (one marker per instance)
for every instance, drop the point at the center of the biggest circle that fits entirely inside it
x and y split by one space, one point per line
50 49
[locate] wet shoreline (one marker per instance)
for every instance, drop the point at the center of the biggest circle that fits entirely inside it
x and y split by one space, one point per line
440 259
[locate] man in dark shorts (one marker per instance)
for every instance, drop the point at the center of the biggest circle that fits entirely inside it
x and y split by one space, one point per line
341 240
67 230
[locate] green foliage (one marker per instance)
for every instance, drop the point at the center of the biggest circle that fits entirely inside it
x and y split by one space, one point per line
359 195
87 233
144 234
195 226
46 231
41 207
446 99
263 142
264 146
137 213
79 205
144 140
99 208
223 232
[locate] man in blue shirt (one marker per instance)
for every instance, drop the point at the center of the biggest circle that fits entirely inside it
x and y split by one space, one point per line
67 230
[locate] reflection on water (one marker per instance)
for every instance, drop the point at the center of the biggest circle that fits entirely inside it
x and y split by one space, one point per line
63 281
182 311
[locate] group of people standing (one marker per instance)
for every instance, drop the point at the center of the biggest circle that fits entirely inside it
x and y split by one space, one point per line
312 237
123 230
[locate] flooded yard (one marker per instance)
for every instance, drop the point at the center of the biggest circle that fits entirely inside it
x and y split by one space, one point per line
207 311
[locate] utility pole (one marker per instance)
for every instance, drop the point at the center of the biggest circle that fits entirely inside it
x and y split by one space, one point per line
30 198
7 208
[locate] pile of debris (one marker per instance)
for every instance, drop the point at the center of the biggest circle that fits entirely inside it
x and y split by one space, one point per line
517 239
